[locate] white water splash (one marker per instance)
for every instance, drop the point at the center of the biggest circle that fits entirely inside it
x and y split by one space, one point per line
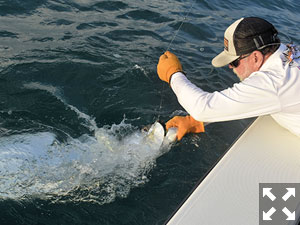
100 167
96 168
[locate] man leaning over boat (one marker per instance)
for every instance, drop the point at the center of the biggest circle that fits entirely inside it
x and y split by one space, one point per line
269 74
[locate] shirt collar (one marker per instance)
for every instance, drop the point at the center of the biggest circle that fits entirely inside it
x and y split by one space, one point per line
274 56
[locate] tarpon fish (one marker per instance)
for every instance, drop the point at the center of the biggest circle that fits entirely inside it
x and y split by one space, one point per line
159 136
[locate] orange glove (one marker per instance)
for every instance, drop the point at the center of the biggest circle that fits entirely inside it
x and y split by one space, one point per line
168 64
185 124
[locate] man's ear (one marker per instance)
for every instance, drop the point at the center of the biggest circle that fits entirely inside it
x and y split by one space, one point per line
258 59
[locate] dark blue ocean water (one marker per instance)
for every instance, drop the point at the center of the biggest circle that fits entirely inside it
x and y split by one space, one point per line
78 82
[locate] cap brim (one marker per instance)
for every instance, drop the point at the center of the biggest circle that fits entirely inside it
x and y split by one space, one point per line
223 59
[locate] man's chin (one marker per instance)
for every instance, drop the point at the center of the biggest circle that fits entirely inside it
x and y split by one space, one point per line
241 78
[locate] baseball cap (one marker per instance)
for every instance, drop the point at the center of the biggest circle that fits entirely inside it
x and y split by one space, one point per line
245 36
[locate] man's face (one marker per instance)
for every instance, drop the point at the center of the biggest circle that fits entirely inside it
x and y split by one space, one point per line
249 64
244 69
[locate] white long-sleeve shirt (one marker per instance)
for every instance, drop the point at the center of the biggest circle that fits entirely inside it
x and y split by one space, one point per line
274 90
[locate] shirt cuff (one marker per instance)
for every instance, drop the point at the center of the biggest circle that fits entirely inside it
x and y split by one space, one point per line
175 76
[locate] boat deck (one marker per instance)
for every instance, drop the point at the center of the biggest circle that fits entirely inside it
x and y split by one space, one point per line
229 194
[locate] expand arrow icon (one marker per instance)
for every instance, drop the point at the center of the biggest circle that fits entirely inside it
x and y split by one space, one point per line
267 215
291 216
290 192
267 192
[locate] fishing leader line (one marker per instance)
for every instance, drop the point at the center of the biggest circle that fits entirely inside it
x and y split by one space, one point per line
169 46
181 24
